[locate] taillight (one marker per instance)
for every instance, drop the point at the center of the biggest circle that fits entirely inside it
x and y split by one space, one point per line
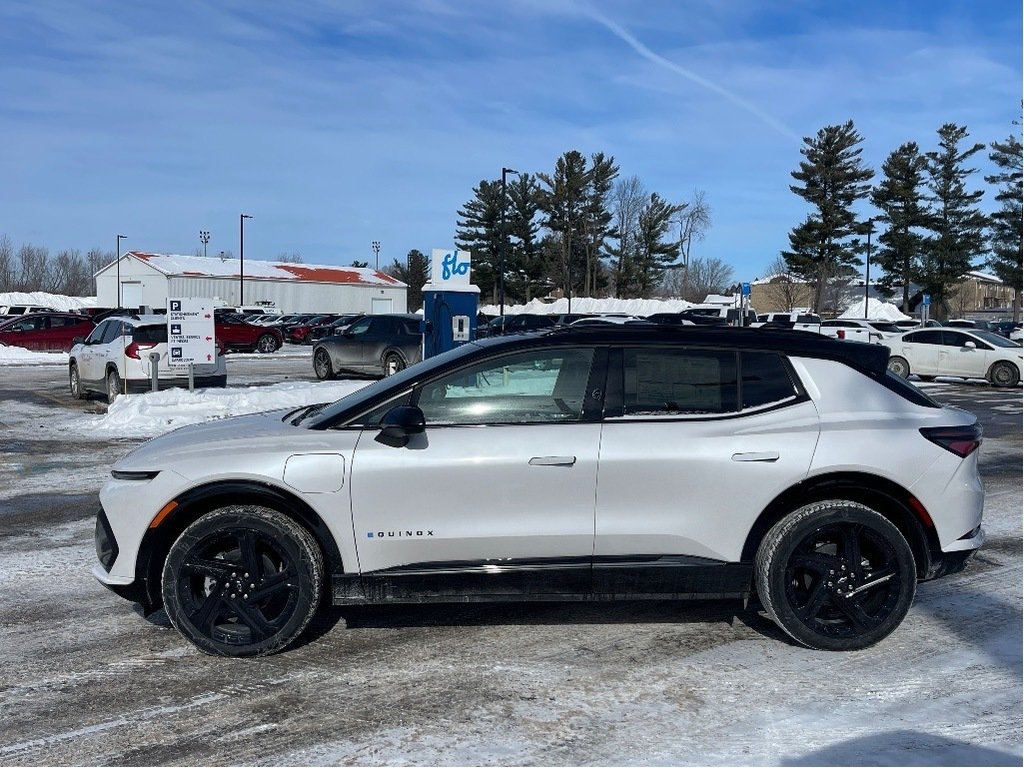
135 349
962 441
840 334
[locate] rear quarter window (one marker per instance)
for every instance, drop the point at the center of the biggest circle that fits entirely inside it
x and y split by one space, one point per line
766 380
150 334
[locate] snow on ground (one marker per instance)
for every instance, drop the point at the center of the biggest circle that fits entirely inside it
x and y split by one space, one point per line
22 356
877 310
642 307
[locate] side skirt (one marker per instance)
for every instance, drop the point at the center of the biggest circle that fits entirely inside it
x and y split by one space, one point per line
655 577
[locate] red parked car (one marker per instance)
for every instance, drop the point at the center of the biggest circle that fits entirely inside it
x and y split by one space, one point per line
45 331
235 333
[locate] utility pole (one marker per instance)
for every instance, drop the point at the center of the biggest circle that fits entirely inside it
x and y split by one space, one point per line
241 258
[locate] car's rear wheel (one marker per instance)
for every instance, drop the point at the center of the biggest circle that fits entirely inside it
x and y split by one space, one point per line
393 363
243 581
75 382
114 386
266 343
899 366
322 364
1004 374
835 575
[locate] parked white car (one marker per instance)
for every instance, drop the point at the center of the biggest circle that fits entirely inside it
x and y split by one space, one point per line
115 359
870 331
582 463
959 352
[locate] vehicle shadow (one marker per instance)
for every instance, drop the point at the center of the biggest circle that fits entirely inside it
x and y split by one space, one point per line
904 748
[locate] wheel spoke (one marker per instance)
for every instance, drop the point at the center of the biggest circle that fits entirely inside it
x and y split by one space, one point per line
203 618
851 548
201 566
815 562
851 608
247 551
279 582
252 618
815 603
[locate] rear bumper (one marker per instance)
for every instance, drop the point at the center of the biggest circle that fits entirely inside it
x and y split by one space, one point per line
956 556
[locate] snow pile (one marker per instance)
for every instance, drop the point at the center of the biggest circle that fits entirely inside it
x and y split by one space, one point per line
641 307
42 299
877 310
154 413
22 356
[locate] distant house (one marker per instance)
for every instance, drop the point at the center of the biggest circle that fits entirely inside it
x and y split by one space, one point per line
148 279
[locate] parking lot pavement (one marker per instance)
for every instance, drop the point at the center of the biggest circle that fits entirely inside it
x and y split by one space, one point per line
84 679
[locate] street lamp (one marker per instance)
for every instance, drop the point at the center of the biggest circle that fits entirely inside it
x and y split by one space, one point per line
869 228
376 254
119 239
503 247
241 258
204 237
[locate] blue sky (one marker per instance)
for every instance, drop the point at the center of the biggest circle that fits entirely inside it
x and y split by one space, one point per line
338 123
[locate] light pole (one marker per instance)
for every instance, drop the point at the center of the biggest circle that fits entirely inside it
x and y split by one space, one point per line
119 239
241 258
870 227
503 247
204 238
376 254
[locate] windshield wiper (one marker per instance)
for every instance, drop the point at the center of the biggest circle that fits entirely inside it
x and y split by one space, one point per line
307 412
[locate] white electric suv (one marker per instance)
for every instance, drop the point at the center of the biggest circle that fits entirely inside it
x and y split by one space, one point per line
610 462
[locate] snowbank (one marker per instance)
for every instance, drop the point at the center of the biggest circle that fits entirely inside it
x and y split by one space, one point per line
641 307
52 300
22 356
877 310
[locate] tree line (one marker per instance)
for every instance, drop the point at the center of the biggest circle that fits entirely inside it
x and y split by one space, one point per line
68 272
923 212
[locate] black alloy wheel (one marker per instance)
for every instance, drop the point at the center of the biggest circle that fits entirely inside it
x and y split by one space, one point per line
836 575
243 581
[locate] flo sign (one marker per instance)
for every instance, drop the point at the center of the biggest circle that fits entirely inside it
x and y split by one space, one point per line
190 333
448 268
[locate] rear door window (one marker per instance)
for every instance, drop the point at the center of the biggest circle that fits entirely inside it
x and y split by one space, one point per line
673 382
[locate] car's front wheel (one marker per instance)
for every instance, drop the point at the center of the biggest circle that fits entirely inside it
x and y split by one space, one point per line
899 366
322 364
75 382
266 343
835 575
1004 374
114 386
243 581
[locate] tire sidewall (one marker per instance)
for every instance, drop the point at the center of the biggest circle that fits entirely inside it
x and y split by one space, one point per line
113 392
1010 379
75 382
295 542
795 528
328 369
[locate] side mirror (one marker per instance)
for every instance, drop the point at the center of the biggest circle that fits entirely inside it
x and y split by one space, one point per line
78 340
399 424
970 345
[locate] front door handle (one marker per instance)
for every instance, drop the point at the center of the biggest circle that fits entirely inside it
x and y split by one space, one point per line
552 461
768 456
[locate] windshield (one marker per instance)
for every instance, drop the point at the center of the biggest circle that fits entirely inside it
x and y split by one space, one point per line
995 339
887 327
388 384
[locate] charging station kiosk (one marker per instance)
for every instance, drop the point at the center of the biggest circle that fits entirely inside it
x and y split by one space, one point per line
449 303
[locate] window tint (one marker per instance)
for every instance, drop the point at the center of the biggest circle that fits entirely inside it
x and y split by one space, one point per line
954 338
660 382
544 385
151 334
111 332
360 326
766 379
924 337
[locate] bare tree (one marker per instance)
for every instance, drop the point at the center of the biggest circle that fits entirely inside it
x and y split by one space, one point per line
783 290
628 199
694 222
290 258
6 264
33 267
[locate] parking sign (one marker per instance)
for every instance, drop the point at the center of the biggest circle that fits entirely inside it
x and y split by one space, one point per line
190 332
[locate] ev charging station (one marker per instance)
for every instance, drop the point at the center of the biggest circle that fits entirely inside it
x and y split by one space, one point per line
449 303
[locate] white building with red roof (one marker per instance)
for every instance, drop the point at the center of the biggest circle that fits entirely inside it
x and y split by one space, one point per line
148 279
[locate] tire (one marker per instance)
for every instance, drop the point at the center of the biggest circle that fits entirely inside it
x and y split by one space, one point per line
322 364
835 575
266 343
899 366
1004 374
393 363
242 581
75 382
114 386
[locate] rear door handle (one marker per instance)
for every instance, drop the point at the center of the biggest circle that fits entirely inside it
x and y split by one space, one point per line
768 456
552 461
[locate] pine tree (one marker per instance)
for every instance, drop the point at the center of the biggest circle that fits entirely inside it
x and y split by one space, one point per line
1005 233
957 225
832 179
654 251
900 199
479 231
563 201
597 220
414 273
526 272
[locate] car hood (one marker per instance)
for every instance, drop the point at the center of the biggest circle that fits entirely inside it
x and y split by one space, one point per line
224 442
